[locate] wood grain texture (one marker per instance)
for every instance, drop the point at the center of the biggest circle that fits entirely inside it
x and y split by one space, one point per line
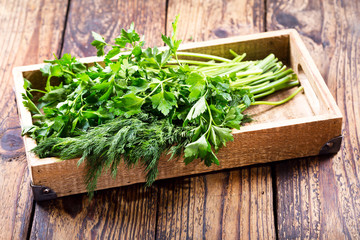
320 197
234 204
107 18
228 205
124 213
30 32
211 19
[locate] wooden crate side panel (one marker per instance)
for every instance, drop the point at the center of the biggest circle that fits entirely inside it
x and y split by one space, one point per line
249 147
255 49
300 58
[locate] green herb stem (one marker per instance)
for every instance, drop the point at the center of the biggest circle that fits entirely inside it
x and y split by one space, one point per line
193 62
279 102
266 61
264 94
201 55
271 85
243 106
37 90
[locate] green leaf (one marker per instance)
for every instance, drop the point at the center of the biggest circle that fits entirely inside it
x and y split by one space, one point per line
197 149
29 104
101 86
59 123
78 67
131 103
247 100
174 26
129 36
106 94
137 51
171 41
101 113
211 158
163 57
197 84
163 101
67 59
197 131
121 42
167 41
58 94
99 43
223 135
74 123
198 108
115 67
98 37
28 129
27 84
233 118
56 71
217 114
112 53
46 70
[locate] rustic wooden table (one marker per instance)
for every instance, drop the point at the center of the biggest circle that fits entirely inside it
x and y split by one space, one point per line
315 197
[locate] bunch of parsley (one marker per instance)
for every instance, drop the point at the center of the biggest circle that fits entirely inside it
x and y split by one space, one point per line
145 103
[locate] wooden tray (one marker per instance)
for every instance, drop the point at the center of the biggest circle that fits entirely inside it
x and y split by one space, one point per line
308 125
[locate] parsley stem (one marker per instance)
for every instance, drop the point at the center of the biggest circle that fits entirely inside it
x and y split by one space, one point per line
193 62
232 70
153 90
162 88
245 81
259 85
279 102
37 90
243 106
64 70
264 94
271 85
201 55
217 66
272 77
177 59
234 53
239 58
48 86
266 61
209 110
253 71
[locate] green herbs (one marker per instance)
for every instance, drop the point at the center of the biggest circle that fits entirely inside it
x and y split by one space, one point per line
142 138
146 103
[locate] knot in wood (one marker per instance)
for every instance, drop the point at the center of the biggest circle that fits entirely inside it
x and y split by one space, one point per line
11 141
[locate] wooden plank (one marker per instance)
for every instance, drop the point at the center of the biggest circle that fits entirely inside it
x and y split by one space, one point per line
204 20
234 204
107 18
125 213
319 197
230 204
30 32
122 213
